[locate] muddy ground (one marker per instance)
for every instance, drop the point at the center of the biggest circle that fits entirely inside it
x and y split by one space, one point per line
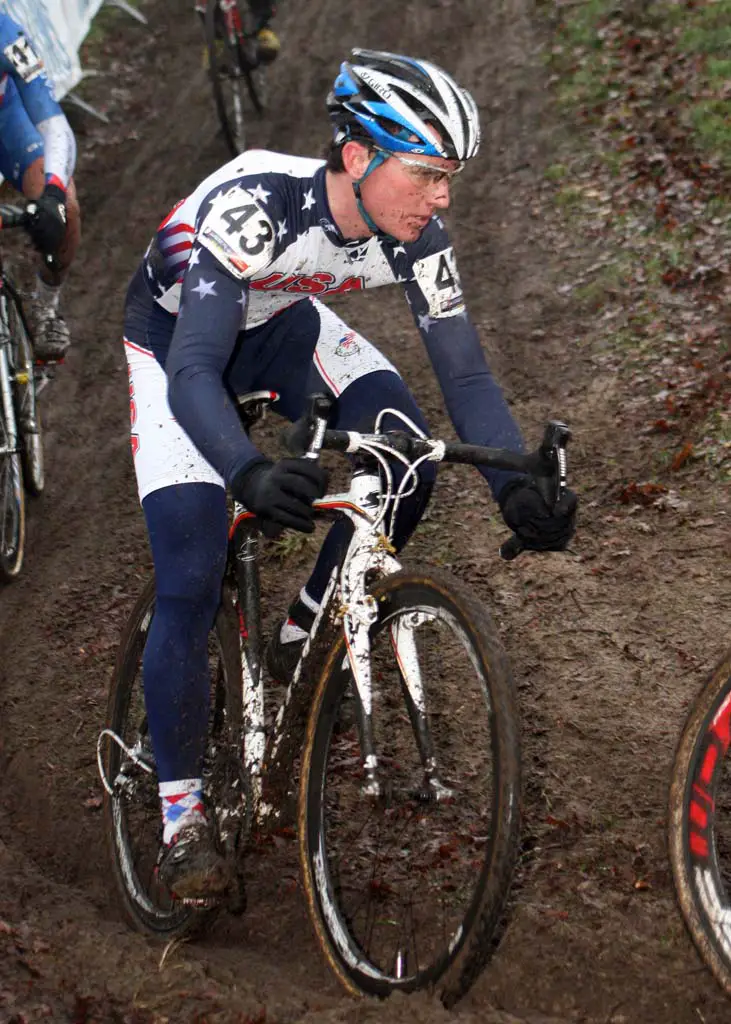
609 642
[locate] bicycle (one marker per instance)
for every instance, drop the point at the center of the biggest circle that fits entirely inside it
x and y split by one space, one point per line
401 718
699 822
21 439
233 67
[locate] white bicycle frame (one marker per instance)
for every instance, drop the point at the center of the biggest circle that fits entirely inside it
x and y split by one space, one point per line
370 552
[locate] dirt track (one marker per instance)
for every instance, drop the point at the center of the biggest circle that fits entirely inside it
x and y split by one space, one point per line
608 643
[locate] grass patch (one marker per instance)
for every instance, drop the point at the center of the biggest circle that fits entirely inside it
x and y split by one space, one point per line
593 58
569 198
711 122
556 172
289 545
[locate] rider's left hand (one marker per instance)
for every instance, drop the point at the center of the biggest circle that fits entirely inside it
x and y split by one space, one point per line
539 527
47 227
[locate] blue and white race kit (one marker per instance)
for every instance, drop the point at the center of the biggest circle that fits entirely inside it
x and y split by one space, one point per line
32 124
231 297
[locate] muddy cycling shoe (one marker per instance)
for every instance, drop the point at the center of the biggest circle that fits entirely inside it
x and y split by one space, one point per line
51 337
282 658
267 45
191 867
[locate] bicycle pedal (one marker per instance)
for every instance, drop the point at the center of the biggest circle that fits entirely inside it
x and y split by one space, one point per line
196 904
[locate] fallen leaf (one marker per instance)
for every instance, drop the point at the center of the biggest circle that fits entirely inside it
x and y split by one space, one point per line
682 456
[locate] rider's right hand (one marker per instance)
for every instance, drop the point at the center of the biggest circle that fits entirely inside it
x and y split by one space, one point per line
282 492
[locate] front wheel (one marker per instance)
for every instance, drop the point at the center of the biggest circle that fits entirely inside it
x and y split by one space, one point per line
27 412
407 890
699 822
12 491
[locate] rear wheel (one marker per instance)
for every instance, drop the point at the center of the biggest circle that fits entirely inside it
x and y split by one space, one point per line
699 823
132 810
407 889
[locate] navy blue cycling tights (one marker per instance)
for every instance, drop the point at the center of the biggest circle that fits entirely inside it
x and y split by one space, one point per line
187 525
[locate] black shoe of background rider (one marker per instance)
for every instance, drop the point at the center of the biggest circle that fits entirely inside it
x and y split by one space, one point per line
282 658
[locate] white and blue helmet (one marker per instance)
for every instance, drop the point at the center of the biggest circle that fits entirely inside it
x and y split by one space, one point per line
390 101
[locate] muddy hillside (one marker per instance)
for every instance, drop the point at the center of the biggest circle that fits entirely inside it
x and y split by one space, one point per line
608 641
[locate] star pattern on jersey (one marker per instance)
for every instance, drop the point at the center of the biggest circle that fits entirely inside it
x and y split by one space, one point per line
399 249
204 288
260 194
357 252
218 198
425 322
195 255
308 200
281 229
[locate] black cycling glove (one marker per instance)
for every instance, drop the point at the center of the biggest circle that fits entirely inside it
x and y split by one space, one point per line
47 226
282 492
539 527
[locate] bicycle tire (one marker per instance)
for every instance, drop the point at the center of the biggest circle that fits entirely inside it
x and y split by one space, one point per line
693 830
473 942
30 424
228 71
12 497
165 918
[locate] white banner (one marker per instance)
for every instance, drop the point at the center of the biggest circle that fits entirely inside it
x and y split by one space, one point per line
57 28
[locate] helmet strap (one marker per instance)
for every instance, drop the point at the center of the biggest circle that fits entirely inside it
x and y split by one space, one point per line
376 160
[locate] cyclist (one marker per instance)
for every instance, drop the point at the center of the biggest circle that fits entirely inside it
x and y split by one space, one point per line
37 156
227 300
267 41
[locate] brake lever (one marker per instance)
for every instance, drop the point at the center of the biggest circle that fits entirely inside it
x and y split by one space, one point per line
319 408
304 437
552 483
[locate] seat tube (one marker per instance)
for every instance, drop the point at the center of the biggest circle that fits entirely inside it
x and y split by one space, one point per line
246 553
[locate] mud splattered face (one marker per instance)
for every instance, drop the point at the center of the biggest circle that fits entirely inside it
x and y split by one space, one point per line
404 193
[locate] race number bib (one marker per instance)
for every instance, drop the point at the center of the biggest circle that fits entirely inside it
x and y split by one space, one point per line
438 278
25 61
238 233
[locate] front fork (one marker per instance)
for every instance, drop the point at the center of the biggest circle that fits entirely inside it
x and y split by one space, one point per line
360 612
10 446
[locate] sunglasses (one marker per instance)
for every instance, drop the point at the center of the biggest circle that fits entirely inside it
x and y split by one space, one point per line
423 173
